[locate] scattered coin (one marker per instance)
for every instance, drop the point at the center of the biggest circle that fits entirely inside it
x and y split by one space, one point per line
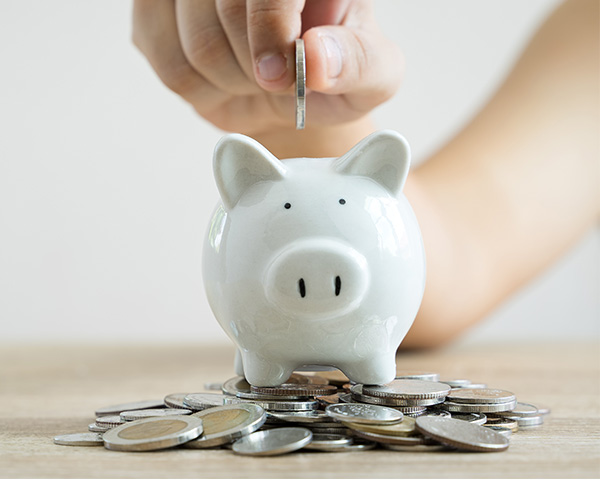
88 439
479 407
462 435
358 444
414 448
324 442
300 84
273 442
405 428
408 389
502 422
390 439
310 416
308 390
328 399
358 393
224 424
109 421
94 427
200 401
117 409
239 387
154 433
528 421
175 400
507 432
408 375
476 418
152 412
480 395
521 410
458 383
361 413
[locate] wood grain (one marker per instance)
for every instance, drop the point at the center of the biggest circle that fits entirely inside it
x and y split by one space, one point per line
54 389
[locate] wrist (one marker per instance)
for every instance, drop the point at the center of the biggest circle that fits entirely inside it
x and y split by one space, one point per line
317 141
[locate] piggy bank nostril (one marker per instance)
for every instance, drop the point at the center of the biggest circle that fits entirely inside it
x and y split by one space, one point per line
338 285
302 287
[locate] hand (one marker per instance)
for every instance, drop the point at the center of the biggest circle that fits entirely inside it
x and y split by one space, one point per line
234 60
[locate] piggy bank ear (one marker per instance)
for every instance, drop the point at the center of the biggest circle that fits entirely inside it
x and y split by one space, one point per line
239 162
383 156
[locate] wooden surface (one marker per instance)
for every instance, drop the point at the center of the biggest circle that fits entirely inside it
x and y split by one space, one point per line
50 390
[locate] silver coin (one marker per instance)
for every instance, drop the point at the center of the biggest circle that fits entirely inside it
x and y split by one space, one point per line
507 432
414 448
408 389
329 430
273 442
306 416
358 444
175 400
152 412
390 439
154 433
364 413
408 375
88 439
110 421
462 435
481 395
479 407
239 387
521 410
358 394
94 427
477 385
117 409
528 421
346 398
476 418
227 423
276 405
324 442
200 401
300 84
458 383
438 413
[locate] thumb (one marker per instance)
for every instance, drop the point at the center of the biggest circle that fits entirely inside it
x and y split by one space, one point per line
351 60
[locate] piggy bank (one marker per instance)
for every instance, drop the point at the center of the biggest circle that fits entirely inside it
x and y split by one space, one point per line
314 261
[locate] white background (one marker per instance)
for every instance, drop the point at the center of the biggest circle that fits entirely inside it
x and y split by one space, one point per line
106 185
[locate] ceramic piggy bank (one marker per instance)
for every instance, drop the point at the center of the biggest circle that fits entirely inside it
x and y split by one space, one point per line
314 261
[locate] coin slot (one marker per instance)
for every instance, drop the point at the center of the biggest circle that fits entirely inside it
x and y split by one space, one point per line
342 201
338 285
287 206
302 287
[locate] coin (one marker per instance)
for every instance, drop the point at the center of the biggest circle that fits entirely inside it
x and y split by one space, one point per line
94 427
391 439
300 84
328 399
403 429
109 421
480 395
175 400
458 383
154 433
277 405
414 448
305 416
239 387
528 421
273 442
462 435
502 422
88 439
405 389
507 432
117 409
479 407
324 442
412 375
358 444
476 418
521 410
152 412
227 423
200 401
294 389
361 413
358 393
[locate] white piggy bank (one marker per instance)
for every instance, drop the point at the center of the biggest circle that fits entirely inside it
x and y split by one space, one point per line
314 261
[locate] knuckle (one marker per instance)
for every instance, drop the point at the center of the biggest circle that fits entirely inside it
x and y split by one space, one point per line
180 78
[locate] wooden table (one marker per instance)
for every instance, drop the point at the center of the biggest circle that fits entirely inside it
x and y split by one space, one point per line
49 390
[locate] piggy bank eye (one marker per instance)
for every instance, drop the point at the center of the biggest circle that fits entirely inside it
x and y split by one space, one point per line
342 201
287 206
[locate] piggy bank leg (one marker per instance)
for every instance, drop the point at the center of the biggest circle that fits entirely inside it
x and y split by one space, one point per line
238 364
262 372
375 371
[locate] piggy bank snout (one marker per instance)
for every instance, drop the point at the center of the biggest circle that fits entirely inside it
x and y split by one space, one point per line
317 278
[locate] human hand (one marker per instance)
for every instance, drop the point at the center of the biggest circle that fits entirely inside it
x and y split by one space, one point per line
233 60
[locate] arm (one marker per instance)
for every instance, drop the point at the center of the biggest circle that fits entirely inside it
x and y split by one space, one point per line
518 185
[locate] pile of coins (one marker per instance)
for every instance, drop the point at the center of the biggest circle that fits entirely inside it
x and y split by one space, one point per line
323 412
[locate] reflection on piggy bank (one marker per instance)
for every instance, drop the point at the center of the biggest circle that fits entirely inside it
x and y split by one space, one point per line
314 261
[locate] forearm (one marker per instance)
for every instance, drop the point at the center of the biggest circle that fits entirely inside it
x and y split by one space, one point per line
518 186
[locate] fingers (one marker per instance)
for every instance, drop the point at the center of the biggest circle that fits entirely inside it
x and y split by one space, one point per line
232 15
344 59
155 34
273 26
207 48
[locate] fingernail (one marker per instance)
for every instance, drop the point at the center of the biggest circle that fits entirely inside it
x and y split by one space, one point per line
334 56
271 66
